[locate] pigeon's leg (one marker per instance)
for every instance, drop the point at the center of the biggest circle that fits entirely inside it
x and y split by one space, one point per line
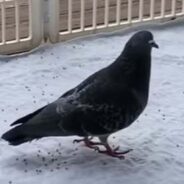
109 151
87 141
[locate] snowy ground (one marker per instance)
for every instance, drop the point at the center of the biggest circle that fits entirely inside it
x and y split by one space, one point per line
157 137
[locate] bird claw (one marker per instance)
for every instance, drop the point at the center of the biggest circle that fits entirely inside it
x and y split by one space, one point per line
77 140
113 152
88 143
109 151
97 149
116 149
82 140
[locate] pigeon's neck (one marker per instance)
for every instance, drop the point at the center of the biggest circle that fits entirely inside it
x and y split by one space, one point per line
142 75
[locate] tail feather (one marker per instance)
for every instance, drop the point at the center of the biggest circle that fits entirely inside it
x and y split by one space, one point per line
16 136
27 117
28 132
41 123
22 132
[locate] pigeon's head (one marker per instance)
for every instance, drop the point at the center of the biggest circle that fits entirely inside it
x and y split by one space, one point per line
141 43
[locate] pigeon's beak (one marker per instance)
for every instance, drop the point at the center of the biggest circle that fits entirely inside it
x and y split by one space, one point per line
153 44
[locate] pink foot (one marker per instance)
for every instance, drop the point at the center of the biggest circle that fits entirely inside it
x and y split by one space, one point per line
113 152
88 143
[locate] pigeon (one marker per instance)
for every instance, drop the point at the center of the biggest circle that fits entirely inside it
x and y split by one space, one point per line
108 101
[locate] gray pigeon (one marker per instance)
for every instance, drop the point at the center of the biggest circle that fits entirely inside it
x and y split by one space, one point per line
107 101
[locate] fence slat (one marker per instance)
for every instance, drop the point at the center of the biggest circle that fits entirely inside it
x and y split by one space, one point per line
82 15
17 21
141 10
3 20
70 16
152 9
173 9
162 8
129 11
30 20
118 12
94 13
106 17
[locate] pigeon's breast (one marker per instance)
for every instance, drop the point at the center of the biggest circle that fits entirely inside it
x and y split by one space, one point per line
107 118
117 117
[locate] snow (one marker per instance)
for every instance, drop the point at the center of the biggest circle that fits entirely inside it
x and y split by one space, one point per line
30 81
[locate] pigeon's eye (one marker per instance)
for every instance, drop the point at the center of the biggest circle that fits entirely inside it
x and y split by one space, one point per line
153 43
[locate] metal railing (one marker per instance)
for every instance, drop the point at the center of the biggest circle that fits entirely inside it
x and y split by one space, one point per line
14 5
127 12
24 23
20 26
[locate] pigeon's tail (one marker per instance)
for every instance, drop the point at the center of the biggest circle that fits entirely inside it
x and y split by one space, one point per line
28 132
16 136
41 123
